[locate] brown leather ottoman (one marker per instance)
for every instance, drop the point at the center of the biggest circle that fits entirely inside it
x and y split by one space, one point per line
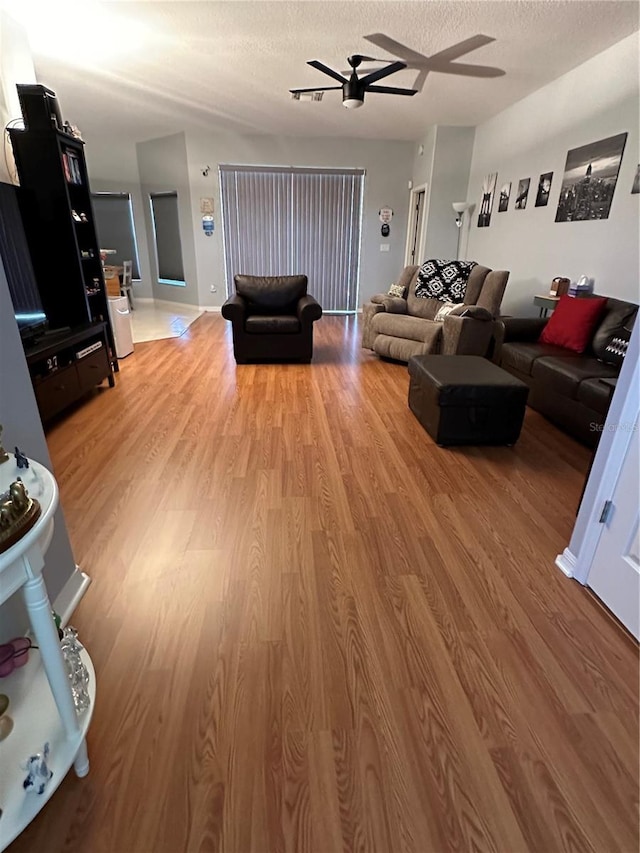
465 399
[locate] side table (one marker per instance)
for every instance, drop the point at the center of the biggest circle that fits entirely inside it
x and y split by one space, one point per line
545 304
41 702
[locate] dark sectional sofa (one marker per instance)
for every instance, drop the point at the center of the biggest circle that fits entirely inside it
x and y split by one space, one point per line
565 387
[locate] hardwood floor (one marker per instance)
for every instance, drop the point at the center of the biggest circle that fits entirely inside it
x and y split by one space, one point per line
314 630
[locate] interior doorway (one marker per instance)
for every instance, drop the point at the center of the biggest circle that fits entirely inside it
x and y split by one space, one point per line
416 231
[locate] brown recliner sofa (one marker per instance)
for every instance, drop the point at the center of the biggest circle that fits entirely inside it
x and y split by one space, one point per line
399 328
564 386
272 318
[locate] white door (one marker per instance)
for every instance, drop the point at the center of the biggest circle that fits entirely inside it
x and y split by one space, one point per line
615 571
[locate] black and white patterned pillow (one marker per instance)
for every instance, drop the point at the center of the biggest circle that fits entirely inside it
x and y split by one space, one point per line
444 280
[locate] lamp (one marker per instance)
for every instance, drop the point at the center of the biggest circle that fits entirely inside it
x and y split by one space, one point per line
460 208
352 93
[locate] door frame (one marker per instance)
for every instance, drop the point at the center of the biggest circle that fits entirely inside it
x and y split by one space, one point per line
411 223
607 465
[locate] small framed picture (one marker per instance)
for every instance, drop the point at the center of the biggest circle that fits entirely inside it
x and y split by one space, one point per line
523 193
544 187
503 201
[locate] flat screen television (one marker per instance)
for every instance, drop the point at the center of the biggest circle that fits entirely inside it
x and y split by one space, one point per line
16 260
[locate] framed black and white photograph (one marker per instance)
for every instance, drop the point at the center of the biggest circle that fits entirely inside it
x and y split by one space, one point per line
486 203
523 193
589 181
544 187
636 182
503 200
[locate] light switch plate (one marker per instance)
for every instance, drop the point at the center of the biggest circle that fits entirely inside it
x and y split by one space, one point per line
384 247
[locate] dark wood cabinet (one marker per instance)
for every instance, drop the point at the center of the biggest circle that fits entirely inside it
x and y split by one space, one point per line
66 365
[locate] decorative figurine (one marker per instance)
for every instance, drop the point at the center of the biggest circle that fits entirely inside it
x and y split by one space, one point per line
4 456
18 513
57 622
76 670
21 459
19 495
38 773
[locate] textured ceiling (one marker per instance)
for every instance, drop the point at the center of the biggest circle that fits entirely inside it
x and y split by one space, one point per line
161 67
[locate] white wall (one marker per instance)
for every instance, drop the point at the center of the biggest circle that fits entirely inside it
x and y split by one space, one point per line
16 66
388 168
450 175
594 101
162 166
22 426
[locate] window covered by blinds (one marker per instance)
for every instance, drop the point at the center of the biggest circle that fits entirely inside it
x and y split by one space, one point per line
114 224
166 227
289 221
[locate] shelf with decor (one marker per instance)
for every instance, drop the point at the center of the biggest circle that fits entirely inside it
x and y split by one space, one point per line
59 224
58 217
41 702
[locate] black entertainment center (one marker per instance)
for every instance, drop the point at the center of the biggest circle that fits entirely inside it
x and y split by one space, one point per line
51 257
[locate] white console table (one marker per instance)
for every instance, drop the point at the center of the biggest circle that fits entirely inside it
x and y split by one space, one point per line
41 702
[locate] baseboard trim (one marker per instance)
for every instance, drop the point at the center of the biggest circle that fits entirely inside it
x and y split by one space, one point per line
566 562
210 309
177 306
70 595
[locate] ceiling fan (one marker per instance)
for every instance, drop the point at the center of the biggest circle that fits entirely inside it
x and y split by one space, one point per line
441 62
354 87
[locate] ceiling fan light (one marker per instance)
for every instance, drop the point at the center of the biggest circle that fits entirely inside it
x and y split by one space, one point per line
352 103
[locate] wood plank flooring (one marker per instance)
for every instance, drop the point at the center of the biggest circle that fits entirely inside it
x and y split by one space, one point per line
315 631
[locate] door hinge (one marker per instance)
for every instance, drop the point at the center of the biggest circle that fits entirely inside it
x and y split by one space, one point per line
606 512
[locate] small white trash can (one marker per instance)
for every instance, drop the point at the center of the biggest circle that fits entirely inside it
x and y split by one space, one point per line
121 325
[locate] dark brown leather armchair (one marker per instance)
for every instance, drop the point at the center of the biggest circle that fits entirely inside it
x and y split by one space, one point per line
272 318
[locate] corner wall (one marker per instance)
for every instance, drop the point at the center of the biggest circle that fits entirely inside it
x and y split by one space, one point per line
21 421
113 168
596 100
162 166
450 174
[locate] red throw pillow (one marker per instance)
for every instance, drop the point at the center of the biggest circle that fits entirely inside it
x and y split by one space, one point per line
573 322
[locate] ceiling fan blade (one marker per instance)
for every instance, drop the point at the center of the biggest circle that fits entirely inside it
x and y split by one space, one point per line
462 48
394 47
465 70
382 72
315 89
442 62
421 79
390 90
315 63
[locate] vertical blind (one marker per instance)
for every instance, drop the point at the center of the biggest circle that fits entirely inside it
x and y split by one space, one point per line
114 224
289 221
166 226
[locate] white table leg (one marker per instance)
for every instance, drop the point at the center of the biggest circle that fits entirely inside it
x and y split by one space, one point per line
81 763
39 609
